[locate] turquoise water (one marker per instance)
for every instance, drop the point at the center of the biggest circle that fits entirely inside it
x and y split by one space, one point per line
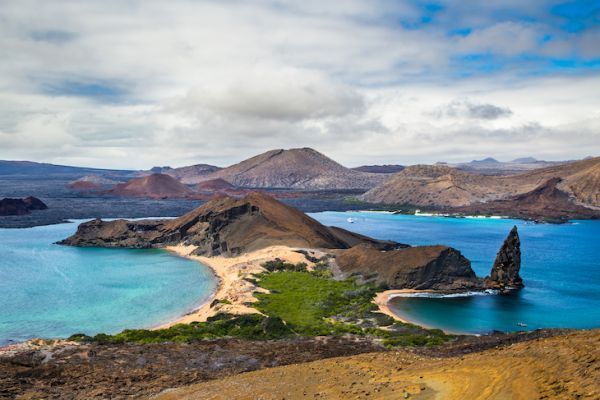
560 267
53 291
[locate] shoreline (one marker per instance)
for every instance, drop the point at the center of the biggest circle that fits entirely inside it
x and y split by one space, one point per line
382 300
232 291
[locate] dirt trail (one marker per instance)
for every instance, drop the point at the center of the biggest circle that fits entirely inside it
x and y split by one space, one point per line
563 367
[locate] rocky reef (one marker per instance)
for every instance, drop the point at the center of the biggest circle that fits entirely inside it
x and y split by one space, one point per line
21 206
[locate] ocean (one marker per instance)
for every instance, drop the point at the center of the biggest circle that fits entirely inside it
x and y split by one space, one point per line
560 268
53 291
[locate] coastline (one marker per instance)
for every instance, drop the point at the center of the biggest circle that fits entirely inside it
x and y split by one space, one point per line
382 300
233 291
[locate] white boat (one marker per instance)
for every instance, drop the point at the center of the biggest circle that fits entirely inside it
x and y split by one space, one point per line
351 220
521 324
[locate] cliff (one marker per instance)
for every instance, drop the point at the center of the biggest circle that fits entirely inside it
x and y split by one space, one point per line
422 267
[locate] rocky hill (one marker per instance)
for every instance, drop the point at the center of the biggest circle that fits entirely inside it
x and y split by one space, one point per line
156 186
422 267
92 183
21 206
441 186
303 168
545 202
226 226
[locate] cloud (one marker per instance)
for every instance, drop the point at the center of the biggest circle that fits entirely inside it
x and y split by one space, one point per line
135 84
277 94
468 109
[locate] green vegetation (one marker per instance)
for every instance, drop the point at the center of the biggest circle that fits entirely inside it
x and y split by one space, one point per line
299 303
250 326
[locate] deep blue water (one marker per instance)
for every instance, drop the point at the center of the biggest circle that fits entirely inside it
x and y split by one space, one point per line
560 267
53 291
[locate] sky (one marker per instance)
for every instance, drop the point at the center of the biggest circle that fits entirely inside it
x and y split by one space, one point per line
136 84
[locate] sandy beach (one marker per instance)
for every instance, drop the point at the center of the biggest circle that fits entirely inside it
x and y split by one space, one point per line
233 290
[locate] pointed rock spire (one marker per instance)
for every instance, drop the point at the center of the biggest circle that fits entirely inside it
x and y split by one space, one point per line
505 271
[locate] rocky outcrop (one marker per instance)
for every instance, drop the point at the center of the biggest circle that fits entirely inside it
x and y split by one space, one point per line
21 206
505 271
224 226
421 267
439 268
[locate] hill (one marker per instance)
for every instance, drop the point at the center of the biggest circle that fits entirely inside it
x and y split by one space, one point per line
441 186
560 367
190 172
303 168
491 166
157 186
225 226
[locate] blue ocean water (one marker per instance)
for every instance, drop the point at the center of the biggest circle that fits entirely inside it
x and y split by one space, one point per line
53 291
560 267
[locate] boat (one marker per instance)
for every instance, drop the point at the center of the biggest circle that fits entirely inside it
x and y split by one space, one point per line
521 324
351 220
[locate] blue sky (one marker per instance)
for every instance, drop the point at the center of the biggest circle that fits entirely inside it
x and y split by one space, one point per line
142 83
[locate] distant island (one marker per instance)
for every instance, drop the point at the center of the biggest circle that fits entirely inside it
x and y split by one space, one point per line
524 188
24 206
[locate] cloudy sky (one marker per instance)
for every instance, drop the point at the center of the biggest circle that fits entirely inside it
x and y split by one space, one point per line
133 84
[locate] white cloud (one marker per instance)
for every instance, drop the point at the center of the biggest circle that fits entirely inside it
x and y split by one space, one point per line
191 82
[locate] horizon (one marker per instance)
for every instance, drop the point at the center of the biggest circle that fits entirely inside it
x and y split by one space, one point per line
267 150
133 85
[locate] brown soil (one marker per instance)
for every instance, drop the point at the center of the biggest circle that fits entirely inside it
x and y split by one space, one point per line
564 367
83 371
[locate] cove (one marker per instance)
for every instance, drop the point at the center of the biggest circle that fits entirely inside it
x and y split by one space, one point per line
560 268
53 291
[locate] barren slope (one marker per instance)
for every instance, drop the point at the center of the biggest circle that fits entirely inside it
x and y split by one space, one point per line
154 186
293 169
562 367
225 226
442 186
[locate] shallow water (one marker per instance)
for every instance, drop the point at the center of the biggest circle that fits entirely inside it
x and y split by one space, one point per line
560 267
53 291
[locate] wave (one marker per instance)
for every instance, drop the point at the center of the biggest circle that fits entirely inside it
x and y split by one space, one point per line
487 292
